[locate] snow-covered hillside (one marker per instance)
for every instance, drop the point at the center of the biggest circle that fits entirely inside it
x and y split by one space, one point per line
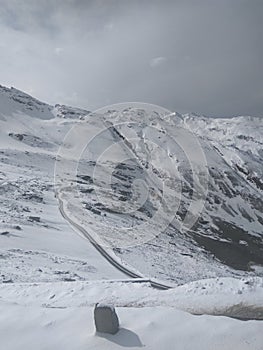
36 244
171 198
126 176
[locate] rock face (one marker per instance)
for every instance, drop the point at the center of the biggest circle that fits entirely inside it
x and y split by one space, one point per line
106 319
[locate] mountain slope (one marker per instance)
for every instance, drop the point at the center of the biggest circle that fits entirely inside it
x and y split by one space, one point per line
178 197
36 243
132 152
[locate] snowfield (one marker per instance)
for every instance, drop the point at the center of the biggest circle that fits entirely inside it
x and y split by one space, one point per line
149 328
60 315
223 296
119 177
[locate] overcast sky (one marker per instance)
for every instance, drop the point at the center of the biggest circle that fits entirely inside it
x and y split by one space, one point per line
202 56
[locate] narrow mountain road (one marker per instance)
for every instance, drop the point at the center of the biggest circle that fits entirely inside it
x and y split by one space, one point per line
109 257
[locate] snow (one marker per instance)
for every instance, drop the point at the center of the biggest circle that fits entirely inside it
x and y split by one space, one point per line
30 138
51 276
232 201
155 328
221 296
61 315
48 250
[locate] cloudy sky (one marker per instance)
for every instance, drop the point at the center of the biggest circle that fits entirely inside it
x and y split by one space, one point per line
203 56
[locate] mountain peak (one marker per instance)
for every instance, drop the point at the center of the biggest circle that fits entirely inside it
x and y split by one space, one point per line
14 101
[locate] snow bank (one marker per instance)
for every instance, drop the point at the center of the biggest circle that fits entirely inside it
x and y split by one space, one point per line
150 328
225 296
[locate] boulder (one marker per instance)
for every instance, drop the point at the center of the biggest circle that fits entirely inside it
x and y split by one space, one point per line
106 319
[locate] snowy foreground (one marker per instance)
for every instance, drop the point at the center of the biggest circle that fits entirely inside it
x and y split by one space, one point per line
51 276
60 315
148 328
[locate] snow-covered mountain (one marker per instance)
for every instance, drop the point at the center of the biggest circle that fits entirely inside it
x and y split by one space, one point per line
139 184
36 243
176 197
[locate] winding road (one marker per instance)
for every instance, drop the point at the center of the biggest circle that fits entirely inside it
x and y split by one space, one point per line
109 257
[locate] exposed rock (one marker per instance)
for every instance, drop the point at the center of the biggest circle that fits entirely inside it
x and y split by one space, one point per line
106 319
5 233
34 218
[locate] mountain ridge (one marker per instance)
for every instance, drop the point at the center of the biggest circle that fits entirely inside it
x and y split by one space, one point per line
225 240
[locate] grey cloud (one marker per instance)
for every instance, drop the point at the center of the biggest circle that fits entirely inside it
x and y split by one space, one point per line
203 56
157 61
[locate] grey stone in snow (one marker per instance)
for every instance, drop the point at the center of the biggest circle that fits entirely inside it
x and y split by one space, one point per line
34 218
106 319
